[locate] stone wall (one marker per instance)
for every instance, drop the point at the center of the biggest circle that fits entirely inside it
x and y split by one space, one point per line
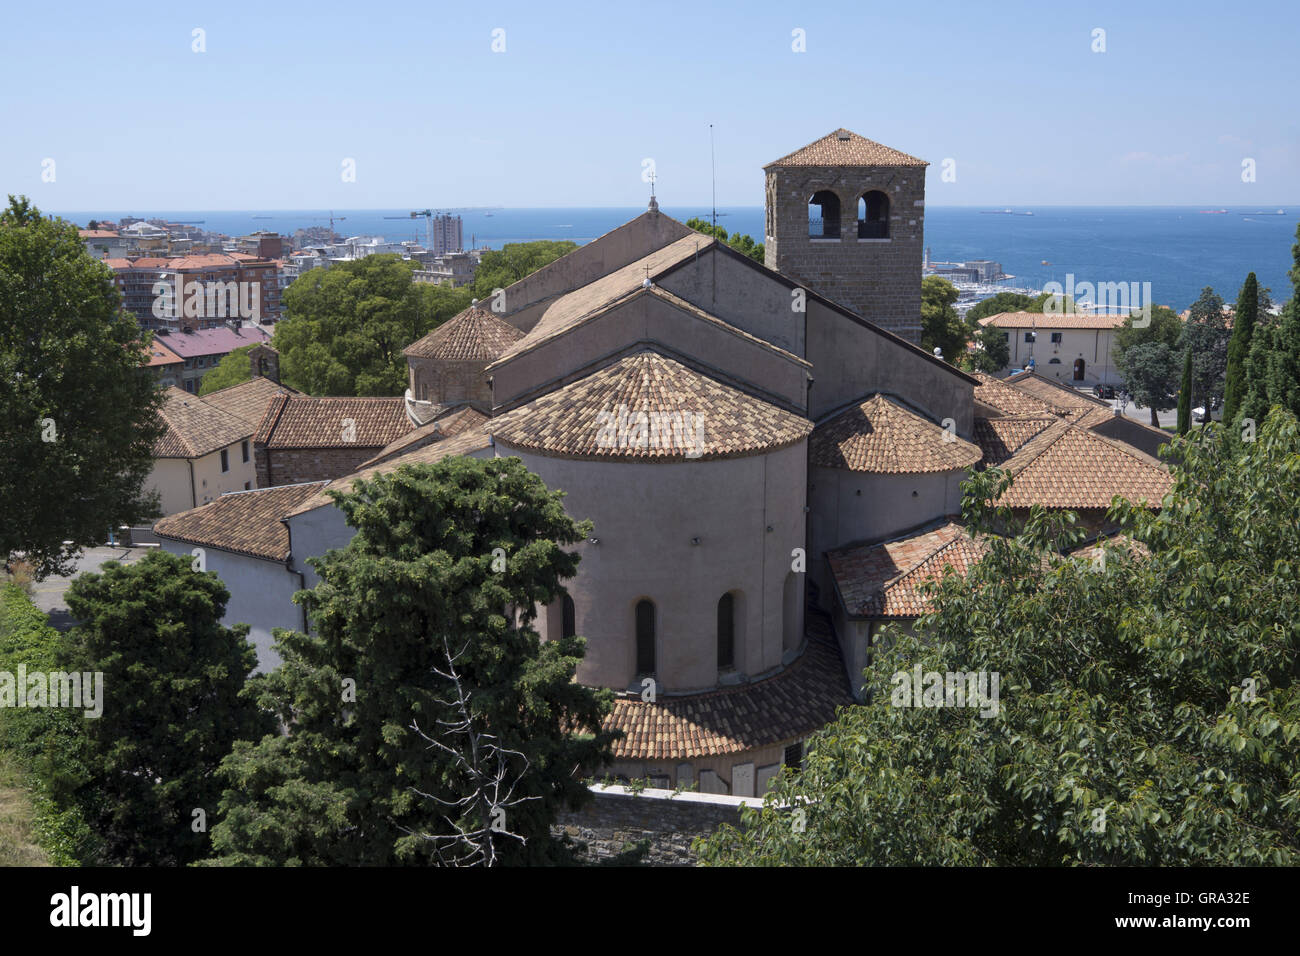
880 279
616 819
291 466
442 380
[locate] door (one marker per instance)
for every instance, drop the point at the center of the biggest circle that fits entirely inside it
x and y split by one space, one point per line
1078 370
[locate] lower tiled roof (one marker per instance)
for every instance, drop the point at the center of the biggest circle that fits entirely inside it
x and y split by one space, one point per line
1006 399
884 580
248 400
999 438
790 705
246 522
881 435
193 428
307 421
1066 466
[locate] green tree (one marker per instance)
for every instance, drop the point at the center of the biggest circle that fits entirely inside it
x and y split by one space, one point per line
994 352
231 370
501 268
1185 395
1144 718
1002 302
78 405
413 612
1243 327
345 326
172 676
744 244
1273 369
1144 352
1206 334
940 325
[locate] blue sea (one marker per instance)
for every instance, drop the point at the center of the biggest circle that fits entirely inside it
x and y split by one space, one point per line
1178 250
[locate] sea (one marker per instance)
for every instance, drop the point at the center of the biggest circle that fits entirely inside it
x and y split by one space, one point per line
1179 250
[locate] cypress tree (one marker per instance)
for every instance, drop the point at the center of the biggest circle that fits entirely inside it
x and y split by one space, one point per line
1185 395
1243 328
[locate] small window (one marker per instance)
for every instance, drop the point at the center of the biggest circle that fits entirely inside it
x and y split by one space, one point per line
1054 361
189 385
1006 336
726 631
225 460
1056 338
248 486
794 755
645 638
244 448
1029 336
569 626
873 215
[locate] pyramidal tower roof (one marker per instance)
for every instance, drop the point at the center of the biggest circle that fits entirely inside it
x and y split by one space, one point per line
474 334
846 148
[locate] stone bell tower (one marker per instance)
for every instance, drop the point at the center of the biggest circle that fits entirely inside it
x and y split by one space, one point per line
845 217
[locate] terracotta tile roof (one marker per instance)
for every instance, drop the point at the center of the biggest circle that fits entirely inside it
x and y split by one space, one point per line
999 438
248 400
1009 400
885 579
1141 436
160 354
246 522
467 442
473 335
787 706
881 435
1119 542
846 148
449 424
572 308
1066 466
648 407
305 421
97 233
194 428
1064 320
1071 402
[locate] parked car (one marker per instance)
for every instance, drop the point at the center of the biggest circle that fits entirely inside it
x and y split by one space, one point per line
1103 391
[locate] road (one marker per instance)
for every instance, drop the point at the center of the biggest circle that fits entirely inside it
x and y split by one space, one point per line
49 594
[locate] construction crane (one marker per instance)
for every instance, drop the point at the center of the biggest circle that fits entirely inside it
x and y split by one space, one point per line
428 215
331 217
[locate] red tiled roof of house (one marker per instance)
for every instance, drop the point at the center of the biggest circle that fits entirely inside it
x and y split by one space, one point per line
1063 320
648 407
1000 438
448 424
1071 402
248 400
97 233
1006 399
194 428
846 148
881 435
1066 466
785 707
160 354
473 335
245 522
307 421
884 580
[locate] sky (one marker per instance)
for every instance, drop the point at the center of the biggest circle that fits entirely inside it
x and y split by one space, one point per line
117 106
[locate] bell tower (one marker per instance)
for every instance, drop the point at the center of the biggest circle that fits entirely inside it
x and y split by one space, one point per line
845 217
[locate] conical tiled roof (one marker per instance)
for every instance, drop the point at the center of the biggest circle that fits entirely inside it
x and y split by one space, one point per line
846 148
473 335
880 435
647 407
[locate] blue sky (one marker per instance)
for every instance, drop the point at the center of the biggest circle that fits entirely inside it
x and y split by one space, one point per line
1012 93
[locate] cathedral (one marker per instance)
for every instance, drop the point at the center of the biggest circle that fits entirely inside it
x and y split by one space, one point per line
770 462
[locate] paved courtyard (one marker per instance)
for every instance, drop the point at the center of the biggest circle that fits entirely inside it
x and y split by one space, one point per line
49 594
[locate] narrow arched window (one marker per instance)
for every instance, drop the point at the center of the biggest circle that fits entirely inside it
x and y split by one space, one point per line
824 215
569 626
645 637
726 631
873 215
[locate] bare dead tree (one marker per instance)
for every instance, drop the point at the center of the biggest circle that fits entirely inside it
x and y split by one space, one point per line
480 814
